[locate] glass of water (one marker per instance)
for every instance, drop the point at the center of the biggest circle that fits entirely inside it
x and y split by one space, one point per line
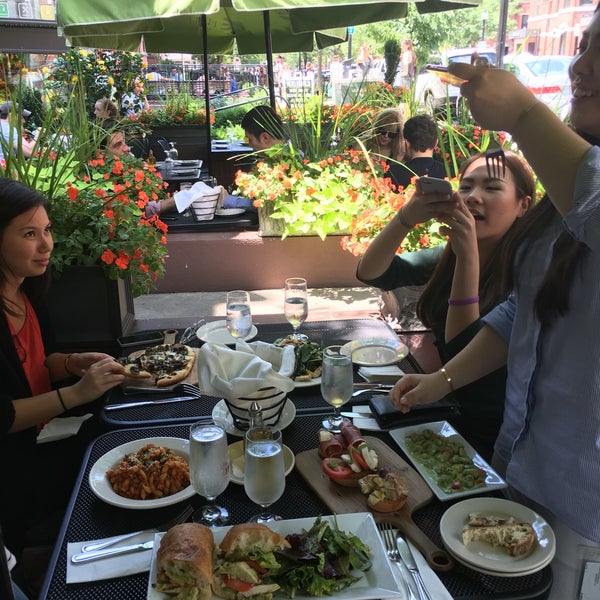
264 470
336 383
239 317
209 469
296 304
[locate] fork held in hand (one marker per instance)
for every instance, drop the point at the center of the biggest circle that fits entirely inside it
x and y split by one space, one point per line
495 162
182 517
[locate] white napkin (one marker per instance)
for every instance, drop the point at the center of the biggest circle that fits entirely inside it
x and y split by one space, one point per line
389 374
184 198
235 374
435 587
107 568
283 359
61 428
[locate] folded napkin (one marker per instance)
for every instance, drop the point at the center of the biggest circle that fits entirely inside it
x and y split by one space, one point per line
435 587
107 568
389 374
235 374
184 198
61 428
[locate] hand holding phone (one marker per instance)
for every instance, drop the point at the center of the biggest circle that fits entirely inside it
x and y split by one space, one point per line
444 75
433 185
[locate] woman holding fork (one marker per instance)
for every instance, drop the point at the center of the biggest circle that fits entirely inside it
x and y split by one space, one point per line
549 443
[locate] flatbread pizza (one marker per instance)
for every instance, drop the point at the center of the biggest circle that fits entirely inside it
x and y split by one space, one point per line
165 364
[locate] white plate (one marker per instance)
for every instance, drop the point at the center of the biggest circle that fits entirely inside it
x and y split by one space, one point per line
237 449
375 352
496 560
101 486
217 333
377 582
229 212
493 481
304 384
221 413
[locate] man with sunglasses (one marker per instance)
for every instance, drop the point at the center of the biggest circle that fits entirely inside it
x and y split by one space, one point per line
420 138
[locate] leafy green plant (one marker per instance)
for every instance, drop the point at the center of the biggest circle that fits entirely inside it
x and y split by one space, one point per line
391 52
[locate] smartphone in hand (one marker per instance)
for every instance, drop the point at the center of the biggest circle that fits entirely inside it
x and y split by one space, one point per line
444 75
433 185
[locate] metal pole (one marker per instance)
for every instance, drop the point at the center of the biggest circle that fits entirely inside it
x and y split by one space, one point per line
269 52
349 46
501 33
206 88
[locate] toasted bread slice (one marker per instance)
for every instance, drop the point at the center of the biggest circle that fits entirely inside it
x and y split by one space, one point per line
517 538
479 520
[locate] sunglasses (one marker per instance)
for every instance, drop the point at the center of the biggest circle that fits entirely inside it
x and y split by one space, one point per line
390 134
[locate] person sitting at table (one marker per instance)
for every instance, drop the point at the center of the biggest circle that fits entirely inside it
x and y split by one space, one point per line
38 478
10 134
462 278
263 128
420 138
114 143
384 140
105 109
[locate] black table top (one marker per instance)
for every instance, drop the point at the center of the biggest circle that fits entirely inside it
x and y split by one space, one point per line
88 518
304 398
185 223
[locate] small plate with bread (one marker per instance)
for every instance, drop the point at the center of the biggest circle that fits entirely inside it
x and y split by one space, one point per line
497 537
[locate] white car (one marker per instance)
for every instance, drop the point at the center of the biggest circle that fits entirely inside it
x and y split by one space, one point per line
545 76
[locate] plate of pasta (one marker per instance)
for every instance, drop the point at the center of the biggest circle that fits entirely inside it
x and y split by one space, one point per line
143 474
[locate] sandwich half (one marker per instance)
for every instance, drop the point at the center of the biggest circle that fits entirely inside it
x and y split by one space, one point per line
184 562
246 559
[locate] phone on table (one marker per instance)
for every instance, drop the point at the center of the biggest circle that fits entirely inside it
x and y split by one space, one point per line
433 185
444 75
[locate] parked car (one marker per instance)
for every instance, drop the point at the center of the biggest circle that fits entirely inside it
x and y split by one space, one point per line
545 76
431 92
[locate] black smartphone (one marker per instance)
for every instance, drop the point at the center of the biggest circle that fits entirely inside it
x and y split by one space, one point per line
444 75
433 185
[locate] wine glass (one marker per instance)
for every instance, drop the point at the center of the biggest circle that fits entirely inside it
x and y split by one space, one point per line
239 317
336 383
264 470
296 304
209 469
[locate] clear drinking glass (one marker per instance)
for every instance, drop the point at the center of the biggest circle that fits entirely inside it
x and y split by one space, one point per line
174 152
239 317
336 383
264 470
296 304
209 469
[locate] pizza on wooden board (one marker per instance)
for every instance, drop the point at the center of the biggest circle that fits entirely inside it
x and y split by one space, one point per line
166 364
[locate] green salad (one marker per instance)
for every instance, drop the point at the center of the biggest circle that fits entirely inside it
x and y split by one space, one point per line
309 357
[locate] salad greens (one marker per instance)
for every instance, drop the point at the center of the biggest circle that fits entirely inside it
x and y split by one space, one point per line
309 356
321 560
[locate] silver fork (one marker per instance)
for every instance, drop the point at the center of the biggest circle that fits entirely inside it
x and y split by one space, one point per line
189 333
495 162
187 389
386 531
182 517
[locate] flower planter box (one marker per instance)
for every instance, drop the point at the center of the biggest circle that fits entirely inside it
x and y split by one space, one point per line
88 311
192 141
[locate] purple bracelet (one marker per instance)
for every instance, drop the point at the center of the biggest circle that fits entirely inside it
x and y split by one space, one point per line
464 301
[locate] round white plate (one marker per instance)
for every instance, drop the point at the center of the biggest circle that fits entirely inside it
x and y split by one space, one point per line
304 384
236 450
221 413
375 352
101 486
217 333
229 212
485 556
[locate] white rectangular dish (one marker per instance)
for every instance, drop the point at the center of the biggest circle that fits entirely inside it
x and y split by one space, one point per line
378 582
493 481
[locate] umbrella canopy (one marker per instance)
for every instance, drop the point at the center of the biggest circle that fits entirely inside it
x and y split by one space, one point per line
175 26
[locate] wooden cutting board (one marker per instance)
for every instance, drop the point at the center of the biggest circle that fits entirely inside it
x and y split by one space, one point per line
341 499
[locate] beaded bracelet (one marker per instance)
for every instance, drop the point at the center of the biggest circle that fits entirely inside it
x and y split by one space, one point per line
463 301
60 399
447 377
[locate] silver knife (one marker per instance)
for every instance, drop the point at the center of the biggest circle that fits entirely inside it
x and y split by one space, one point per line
411 565
148 402
77 559
358 414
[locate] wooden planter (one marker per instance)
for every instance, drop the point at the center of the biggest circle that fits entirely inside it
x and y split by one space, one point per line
88 311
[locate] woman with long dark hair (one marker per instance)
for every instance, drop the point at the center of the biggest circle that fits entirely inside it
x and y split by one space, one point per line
38 478
549 443
462 278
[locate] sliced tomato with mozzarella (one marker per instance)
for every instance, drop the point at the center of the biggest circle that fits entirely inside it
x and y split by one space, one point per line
336 468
